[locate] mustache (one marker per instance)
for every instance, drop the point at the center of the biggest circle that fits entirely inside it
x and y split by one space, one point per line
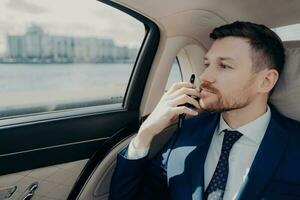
209 87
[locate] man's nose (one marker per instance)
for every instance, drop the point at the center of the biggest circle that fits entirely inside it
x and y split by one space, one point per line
208 75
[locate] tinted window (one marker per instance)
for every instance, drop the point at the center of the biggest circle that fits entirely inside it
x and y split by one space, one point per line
290 32
56 59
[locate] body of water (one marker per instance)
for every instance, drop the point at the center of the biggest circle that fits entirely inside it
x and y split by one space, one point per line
27 88
40 77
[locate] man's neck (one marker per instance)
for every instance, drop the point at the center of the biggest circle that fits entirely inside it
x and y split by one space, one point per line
239 117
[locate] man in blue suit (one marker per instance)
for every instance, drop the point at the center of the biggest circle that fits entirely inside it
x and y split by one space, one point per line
235 145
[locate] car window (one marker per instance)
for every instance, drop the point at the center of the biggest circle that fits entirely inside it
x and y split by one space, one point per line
288 33
175 74
56 59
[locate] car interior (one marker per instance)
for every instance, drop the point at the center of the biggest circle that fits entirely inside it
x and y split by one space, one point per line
98 185
184 28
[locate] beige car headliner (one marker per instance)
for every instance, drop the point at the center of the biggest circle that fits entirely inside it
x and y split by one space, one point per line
270 12
273 13
185 26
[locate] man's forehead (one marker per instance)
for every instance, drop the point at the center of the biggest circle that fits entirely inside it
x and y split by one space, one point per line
228 48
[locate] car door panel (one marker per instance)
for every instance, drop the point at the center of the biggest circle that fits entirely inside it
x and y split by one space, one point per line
54 182
52 142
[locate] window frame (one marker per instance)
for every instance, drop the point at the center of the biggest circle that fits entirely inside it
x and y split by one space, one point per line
134 90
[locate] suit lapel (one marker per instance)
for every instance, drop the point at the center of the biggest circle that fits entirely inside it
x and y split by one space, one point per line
185 165
266 160
185 168
197 158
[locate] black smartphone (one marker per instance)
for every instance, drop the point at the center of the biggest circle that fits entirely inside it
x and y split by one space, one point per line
182 116
192 81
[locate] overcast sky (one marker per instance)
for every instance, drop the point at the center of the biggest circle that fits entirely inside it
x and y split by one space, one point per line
82 18
69 17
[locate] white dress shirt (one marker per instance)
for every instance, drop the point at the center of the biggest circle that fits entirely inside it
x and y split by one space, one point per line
241 155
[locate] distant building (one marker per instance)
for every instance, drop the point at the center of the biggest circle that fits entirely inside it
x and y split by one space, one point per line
39 47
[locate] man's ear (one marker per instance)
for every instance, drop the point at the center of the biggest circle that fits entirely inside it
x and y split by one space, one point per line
269 78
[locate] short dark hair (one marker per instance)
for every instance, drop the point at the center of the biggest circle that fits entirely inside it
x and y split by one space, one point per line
267 46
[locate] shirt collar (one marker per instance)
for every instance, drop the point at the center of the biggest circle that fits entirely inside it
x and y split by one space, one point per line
254 130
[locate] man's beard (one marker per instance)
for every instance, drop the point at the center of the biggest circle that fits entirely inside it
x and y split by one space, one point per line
222 104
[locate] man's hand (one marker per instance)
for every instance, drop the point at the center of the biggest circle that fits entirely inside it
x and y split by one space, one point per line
170 106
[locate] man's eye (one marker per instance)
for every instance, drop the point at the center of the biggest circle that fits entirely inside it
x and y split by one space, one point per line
224 66
206 65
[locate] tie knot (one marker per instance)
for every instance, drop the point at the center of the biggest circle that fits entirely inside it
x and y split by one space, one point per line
230 137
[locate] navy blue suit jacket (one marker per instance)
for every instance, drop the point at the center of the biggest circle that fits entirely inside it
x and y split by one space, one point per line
177 172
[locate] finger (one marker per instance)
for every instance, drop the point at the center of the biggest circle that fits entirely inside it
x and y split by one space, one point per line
182 109
186 91
199 109
179 85
184 99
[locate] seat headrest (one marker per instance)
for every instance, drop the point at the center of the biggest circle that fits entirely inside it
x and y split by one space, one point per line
286 95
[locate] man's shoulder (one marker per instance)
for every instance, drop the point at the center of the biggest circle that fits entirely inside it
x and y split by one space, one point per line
292 123
286 122
292 128
291 159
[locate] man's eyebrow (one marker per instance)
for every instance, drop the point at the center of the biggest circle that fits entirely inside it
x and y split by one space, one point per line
226 58
221 58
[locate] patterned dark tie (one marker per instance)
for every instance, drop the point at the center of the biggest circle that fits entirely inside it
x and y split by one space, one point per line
217 184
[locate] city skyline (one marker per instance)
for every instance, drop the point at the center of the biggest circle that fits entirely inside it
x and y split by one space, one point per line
37 46
86 18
